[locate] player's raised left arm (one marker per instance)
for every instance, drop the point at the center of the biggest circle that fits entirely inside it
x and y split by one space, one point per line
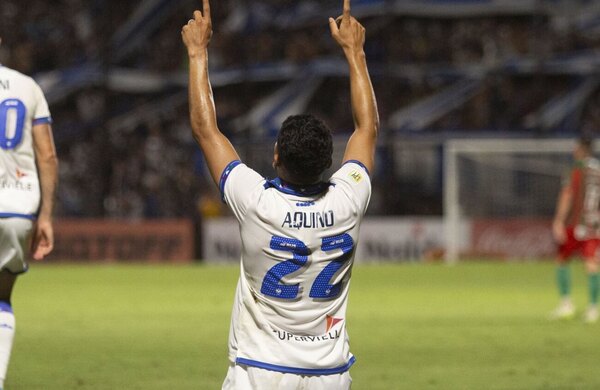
217 149
350 35
47 165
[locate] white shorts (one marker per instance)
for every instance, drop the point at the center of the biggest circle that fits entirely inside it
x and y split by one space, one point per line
254 378
14 242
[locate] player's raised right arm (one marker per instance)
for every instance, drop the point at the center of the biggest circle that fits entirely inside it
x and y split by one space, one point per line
350 35
217 149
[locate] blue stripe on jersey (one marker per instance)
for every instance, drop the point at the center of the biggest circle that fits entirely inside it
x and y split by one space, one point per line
293 189
16 215
225 175
358 163
42 121
295 370
5 306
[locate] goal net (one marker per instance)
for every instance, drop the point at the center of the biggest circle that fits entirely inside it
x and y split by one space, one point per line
505 191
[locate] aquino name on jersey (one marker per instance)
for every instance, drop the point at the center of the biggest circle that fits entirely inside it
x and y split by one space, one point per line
308 219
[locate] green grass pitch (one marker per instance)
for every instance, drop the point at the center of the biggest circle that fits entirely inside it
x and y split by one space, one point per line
470 326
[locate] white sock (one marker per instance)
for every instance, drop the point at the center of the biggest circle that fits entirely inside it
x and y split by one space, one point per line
7 334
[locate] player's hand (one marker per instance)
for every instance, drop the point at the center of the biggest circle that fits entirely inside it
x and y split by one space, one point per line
559 232
197 32
347 31
43 239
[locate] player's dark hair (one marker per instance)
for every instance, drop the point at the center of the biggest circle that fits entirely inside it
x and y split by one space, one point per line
305 147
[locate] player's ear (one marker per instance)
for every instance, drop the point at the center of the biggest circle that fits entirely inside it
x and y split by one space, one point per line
275 156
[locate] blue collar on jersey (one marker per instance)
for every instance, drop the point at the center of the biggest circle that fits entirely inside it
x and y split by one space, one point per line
293 189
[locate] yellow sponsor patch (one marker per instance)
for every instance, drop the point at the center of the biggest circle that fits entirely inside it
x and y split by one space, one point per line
355 175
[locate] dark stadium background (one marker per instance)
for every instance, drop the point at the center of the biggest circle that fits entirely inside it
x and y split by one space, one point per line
114 73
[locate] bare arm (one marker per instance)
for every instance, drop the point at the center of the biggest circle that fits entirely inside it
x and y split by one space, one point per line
350 35
47 165
563 207
217 149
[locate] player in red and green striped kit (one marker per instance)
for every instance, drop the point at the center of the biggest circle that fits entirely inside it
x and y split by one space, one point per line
576 228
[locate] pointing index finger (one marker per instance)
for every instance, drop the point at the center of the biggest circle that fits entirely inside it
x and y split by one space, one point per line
206 10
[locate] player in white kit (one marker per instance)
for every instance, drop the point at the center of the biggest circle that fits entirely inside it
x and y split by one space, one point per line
299 232
28 178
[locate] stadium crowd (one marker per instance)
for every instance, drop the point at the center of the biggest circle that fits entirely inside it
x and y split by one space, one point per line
151 168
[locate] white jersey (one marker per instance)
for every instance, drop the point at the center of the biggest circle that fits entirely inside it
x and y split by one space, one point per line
298 248
22 105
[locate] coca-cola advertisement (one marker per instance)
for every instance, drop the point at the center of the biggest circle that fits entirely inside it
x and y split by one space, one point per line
513 238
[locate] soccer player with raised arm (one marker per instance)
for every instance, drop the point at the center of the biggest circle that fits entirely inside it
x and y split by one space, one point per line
576 228
299 232
28 179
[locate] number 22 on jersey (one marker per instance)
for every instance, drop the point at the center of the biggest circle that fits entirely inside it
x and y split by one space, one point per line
321 287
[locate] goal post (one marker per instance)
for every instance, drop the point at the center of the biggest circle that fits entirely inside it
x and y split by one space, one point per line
500 179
